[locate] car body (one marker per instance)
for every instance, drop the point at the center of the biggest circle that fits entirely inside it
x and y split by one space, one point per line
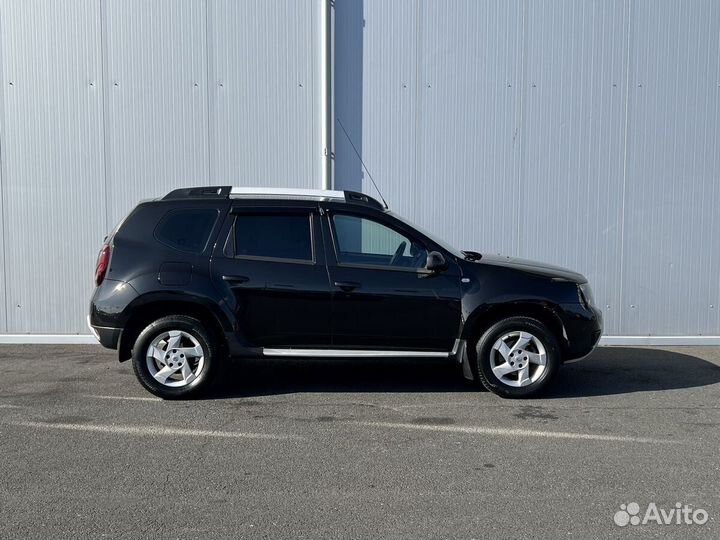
265 272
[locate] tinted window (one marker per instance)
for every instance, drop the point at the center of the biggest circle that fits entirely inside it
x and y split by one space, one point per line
281 236
364 241
187 230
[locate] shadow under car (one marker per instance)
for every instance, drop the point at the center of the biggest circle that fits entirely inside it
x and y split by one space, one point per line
607 371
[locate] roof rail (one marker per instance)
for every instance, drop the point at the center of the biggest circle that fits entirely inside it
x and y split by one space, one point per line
225 192
292 193
357 197
209 192
286 193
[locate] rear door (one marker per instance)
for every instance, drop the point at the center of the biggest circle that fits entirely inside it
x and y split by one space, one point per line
383 299
272 268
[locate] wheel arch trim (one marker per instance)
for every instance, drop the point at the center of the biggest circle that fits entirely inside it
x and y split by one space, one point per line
150 306
484 316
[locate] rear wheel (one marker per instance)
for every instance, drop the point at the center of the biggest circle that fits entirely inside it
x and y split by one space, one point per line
517 357
174 357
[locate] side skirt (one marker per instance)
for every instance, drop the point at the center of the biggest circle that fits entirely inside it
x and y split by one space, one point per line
352 353
455 353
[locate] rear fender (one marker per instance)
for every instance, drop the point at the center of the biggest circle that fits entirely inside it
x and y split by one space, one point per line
149 307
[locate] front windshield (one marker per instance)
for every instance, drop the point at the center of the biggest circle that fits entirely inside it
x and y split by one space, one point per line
447 247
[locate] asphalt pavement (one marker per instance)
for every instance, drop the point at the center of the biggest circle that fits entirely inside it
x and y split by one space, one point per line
359 449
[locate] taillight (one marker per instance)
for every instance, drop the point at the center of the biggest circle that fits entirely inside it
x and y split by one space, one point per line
102 264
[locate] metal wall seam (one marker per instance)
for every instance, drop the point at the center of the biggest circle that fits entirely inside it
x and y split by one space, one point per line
105 113
325 90
316 104
210 95
3 136
417 149
521 134
629 37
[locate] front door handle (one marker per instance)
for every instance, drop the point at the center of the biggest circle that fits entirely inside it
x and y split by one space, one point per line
235 280
347 286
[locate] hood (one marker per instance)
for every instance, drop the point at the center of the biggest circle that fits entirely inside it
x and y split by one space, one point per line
534 267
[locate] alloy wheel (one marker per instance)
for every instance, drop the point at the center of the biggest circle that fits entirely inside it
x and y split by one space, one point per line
518 359
175 358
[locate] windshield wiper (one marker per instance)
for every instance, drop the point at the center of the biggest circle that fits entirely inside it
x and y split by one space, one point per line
472 255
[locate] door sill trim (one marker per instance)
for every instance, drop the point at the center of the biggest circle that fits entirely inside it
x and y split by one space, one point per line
353 353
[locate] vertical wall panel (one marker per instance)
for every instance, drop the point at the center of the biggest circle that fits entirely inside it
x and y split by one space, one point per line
157 99
468 126
571 185
581 133
433 112
376 90
3 275
264 93
53 190
671 259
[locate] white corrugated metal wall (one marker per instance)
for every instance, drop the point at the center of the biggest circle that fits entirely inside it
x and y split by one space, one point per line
583 133
105 102
53 189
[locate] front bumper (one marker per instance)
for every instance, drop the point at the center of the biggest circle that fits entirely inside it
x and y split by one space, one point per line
583 327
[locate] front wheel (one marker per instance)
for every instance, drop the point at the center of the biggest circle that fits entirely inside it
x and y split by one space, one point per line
517 357
174 357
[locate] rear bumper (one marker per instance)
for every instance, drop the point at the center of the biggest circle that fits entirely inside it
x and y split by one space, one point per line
106 318
108 337
583 327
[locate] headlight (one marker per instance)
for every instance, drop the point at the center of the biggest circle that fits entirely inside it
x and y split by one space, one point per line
586 295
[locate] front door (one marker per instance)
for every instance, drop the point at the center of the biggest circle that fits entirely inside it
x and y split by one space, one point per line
383 299
273 266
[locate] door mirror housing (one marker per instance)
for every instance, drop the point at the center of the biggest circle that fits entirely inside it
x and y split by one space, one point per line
436 262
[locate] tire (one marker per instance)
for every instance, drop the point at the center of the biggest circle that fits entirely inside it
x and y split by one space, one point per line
527 363
187 368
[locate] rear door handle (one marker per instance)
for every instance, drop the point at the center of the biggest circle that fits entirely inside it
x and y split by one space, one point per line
236 280
347 286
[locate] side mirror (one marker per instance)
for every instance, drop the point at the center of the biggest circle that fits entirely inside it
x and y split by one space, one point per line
435 262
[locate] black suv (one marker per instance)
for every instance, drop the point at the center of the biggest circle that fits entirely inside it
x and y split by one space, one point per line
203 274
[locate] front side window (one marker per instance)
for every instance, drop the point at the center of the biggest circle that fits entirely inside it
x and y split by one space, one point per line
187 229
275 236
363 241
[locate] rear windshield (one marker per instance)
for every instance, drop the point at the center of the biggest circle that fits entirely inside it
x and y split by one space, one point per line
187 230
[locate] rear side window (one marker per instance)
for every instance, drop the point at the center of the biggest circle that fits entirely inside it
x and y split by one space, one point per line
274 236
187 230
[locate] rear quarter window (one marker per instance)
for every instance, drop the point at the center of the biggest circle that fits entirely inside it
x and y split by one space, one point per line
187 229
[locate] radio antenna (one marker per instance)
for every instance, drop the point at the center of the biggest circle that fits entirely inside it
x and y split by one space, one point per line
363 163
